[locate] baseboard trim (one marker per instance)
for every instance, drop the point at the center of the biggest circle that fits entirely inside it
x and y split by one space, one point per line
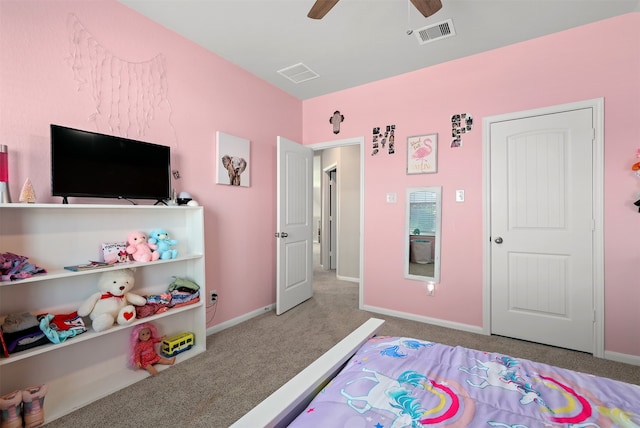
425 320
237 320
347 278
622 358
608 355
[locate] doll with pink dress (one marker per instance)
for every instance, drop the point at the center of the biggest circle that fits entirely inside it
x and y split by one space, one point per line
142 347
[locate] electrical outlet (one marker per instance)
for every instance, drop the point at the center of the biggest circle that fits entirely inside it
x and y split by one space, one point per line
213 296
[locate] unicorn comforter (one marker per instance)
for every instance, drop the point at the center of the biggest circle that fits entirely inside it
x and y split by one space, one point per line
400 382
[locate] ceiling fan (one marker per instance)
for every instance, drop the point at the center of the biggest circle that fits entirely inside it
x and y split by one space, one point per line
425 7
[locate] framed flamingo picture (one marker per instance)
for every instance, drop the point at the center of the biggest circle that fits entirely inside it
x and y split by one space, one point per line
422 154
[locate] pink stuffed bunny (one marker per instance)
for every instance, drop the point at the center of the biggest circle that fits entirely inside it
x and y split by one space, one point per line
140 249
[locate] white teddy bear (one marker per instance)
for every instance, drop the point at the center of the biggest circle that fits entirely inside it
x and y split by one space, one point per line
114 302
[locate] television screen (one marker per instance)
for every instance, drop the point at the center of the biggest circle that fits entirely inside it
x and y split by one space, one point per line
88 164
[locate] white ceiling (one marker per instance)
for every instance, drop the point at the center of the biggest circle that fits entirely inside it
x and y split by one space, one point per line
361 41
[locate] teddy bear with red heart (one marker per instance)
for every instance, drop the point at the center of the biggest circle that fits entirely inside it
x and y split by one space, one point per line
114 302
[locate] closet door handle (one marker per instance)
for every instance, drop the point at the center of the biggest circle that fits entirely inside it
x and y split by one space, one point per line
284 234
498 240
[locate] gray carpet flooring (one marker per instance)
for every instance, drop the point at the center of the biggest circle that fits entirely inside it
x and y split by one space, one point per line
245 363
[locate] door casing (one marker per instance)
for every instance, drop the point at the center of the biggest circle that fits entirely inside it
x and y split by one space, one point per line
342 143
597 106
328 253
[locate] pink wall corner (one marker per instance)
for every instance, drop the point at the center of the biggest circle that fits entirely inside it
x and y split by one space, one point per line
593 61
204 94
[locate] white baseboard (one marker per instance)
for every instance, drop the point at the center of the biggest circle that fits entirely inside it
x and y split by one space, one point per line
608 355
426 320
237 320
622 358
347 278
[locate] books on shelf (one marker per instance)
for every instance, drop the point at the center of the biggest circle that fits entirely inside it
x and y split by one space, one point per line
88 266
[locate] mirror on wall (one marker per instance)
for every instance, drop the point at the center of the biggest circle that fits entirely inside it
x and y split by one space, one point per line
422 231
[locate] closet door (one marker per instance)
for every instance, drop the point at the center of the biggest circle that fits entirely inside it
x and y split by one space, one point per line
542 226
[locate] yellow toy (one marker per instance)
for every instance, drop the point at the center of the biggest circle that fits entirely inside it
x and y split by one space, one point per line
177 344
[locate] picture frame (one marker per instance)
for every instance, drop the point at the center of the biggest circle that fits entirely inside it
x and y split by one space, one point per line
422 154
233 160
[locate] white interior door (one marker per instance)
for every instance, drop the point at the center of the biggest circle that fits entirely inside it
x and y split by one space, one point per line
542 227
294 234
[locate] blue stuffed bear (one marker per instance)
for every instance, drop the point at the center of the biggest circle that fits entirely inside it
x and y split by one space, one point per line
160 237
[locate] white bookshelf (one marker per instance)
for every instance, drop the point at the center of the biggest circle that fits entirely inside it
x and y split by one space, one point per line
92 365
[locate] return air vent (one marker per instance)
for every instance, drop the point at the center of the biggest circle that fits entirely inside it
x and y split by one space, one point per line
298 73
434 32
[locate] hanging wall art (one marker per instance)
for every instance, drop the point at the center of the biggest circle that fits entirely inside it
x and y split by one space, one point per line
336 119
130 98
422 154
233 160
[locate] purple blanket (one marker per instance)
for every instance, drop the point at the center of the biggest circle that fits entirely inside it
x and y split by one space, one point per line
400 382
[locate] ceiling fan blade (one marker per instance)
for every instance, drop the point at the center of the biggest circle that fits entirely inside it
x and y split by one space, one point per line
321 8
427 7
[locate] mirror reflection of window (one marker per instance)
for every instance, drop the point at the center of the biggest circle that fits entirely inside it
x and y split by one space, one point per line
422 206
422 254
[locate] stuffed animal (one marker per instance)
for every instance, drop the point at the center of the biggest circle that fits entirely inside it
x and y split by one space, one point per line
114 302
160 238
140 248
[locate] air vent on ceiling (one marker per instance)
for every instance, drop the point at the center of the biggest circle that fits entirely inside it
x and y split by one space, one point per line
298 73
434 32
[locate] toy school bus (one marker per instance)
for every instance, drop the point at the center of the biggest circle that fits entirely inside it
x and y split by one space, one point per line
178 343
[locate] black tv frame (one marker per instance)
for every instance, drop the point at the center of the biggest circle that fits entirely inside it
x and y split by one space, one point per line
94 165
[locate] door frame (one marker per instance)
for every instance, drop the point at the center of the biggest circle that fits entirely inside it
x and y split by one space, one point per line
342 143
597 106
328 243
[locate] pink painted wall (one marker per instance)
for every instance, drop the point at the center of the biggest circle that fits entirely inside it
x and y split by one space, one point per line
598 60
204 94
207 94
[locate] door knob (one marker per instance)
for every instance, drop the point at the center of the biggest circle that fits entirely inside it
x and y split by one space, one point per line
284 234
498 240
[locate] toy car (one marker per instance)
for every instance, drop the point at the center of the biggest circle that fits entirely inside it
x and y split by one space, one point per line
177 344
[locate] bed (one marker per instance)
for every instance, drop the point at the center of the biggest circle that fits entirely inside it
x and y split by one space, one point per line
390 382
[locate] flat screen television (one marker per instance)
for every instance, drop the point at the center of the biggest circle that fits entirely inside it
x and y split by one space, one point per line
92 165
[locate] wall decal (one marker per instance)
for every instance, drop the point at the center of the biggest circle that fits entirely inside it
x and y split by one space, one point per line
460 124
384 139
636 167
233 160
131 98
336 120
422 154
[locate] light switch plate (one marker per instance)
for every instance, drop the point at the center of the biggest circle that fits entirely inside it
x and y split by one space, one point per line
392 198
459 195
